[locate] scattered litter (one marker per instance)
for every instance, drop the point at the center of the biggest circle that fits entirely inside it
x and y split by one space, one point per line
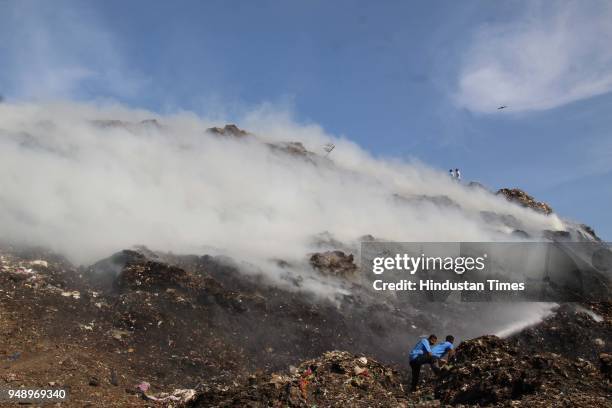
143 386
10 377
15 356
277 380
88 327
182 396
22 273
40 262
119 334
334 379
74 294
359 371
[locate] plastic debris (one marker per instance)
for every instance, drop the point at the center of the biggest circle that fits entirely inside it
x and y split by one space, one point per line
74 294
143 386
181 396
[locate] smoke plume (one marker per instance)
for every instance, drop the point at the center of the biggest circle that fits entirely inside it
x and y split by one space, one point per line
88 180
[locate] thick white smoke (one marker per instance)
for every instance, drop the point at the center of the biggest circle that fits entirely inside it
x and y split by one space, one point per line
88 190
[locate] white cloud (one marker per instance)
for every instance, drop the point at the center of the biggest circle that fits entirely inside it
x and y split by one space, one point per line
554 54
50 51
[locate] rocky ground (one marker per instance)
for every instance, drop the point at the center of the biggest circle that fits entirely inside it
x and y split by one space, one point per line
147 329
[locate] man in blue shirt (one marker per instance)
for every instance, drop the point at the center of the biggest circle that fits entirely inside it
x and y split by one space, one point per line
440 350
421 354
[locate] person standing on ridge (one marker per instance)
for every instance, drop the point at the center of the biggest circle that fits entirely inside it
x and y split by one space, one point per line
458 175
419 355
451 174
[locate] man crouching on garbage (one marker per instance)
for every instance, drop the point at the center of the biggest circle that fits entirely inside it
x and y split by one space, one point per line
421 354
440 350
443 349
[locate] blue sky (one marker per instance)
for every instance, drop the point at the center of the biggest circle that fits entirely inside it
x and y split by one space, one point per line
404 79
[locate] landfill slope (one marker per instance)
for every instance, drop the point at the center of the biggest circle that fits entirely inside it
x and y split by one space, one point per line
168 330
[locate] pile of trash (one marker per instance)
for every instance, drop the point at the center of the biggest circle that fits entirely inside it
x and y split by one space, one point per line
334 379
144 274
486 370
298 150
37 268
519 196
178 397
228 130
201 333
21 270
130 126
334 263
572 331
490 371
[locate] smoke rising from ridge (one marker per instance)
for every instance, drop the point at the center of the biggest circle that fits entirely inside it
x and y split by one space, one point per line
87 188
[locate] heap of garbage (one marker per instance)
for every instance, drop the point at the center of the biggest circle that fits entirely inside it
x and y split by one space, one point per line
574 331
522 198
489 371
334 263
335 379
140 273
142 328
228 130
295 149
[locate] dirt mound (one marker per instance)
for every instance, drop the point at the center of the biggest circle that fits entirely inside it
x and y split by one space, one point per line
486 370
491 371
572 331
151 124
228 130
334 263
143 274
519 196
293 148
183 323
296 149
337 379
